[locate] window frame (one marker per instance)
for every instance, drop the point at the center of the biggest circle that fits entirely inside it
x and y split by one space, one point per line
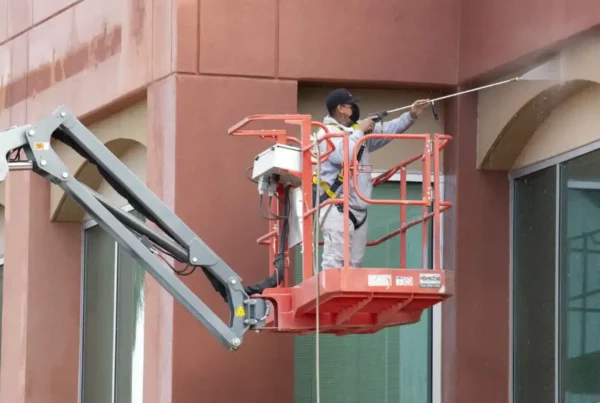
86 225
558 162
436 313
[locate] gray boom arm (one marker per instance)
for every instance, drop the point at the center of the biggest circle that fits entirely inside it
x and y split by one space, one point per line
179 240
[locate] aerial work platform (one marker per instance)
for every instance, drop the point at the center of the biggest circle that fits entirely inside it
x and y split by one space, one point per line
345 300
336 300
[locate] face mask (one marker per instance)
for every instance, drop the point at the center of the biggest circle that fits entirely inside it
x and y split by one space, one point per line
355 113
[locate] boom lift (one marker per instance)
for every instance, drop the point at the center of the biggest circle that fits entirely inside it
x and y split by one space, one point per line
352 300
343 300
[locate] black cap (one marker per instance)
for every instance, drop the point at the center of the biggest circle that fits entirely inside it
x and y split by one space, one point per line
340 96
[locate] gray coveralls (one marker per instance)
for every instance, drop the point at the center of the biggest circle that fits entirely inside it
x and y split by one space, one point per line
333 225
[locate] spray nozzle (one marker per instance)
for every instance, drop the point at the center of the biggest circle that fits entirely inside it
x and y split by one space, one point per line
434 110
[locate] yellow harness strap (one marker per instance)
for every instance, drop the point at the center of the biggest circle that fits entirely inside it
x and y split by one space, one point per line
340 177
325 187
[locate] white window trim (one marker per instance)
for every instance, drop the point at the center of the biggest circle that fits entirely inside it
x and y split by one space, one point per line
90 222
556 160
436 322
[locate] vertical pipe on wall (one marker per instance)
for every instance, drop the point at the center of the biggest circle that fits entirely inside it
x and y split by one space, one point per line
557 285
115 304
511 215
81 316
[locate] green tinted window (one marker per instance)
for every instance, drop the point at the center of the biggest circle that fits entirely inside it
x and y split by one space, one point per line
393 365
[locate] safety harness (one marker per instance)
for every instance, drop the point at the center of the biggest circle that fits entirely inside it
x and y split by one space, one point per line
331 190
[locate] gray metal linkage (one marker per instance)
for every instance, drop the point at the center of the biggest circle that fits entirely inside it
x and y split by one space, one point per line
180 242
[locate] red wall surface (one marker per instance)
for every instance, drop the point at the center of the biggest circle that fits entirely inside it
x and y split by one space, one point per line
199 170
494 33
369 40
475 322
213 196
355 40
41 297
205 65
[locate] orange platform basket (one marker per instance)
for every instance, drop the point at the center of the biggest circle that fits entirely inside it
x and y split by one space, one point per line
353 300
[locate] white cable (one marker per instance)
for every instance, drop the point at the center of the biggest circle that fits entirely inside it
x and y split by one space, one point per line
315 247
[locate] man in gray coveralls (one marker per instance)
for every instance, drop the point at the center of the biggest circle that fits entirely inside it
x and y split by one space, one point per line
343 117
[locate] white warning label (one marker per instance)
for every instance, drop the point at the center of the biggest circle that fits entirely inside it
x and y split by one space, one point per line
377 280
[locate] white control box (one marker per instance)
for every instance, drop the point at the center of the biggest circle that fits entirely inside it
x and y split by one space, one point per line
279 159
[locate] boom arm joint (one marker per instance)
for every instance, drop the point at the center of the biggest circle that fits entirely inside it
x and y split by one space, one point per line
178 240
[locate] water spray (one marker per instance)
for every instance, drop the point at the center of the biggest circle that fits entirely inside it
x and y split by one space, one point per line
378 116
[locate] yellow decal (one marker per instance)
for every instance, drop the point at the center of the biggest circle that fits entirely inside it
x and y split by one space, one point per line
39 146
240 311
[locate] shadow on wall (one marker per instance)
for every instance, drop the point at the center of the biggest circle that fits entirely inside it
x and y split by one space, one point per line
123 133
130 152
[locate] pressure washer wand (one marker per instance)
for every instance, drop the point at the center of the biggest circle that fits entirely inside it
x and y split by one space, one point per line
380 115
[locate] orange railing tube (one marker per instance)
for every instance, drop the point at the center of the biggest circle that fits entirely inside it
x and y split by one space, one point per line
431 184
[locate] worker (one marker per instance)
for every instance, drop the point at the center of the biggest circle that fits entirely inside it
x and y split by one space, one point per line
343 116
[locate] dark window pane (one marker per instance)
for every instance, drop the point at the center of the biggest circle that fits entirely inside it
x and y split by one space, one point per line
130 329
580 281
534 268
112 322
98 317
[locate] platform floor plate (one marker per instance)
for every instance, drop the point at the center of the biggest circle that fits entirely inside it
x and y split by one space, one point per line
357 301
